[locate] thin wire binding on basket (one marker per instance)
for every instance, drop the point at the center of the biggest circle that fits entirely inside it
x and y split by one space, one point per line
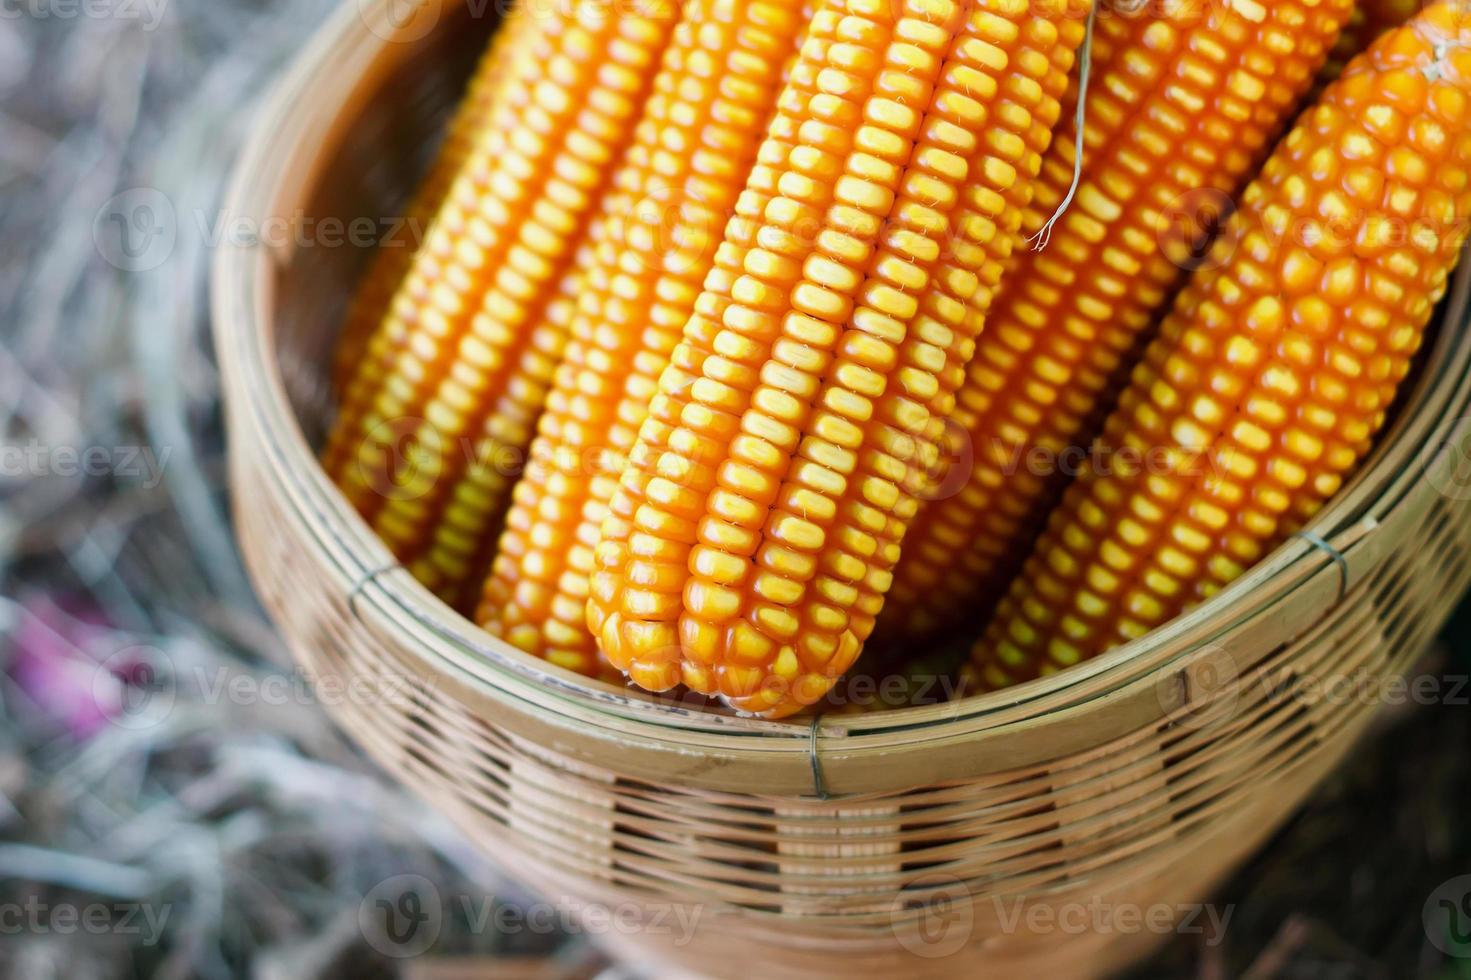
943 822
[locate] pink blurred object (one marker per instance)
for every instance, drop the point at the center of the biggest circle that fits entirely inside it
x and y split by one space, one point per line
72 664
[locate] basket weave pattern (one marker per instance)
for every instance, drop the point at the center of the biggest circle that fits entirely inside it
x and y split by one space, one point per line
1136 781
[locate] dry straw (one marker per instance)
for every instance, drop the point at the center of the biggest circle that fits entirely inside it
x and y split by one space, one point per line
1128 784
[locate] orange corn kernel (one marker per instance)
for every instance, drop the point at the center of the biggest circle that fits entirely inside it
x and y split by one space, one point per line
1370 19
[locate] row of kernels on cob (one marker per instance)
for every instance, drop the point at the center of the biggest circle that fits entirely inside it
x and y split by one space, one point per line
678 451
1276 366
752 550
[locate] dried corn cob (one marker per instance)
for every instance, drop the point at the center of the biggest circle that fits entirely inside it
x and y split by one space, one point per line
391 263
1273 372
692 153
477 320
1184 102
749 546
1370 19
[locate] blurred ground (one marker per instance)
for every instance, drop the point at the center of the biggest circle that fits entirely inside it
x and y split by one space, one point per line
203 835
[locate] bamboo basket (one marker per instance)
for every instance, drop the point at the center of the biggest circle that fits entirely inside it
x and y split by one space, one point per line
928 840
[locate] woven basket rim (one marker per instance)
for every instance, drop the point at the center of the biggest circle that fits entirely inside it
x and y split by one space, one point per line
292 138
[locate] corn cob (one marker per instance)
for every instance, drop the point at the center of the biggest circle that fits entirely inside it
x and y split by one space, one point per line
749 545
479 320
1274 370
692 153
1370 19
391 263
1183 103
